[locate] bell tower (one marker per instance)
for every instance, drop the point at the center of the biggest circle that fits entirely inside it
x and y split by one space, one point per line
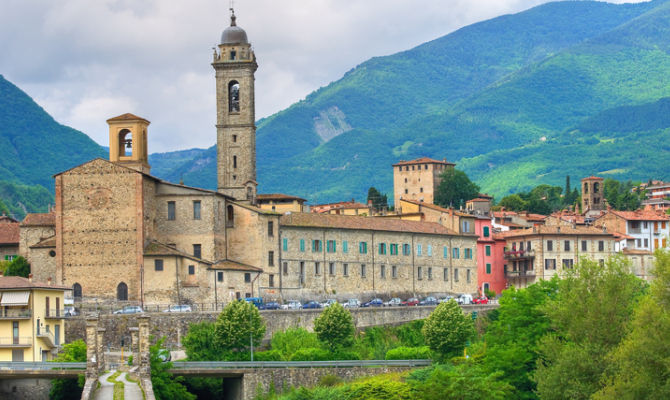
128 142
235 65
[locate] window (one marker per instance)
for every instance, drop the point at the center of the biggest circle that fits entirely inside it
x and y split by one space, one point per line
171 210
345 269
646 242
234 138
316 246
455 274
191 269
430 273
230 216
271 229
418 250
197 251
521 246
302 245
639 242
382 248
362 270
467 275
363 247
406 191
158 265
345 246
465 226
429 250
271 258
271 281
219 276
406 249
549 263
455 252
233 54
645 225
301 273
122 292
583 245
419 273
488 268
550 245
331 247
487 232
420 190
567 263
285 267
488 250
566 245
331 268
601 245
528 246
468 253
76 291
234 161
445 252
394 249
196 209
317 268
247 277
394 271
47 306
284 244
445 274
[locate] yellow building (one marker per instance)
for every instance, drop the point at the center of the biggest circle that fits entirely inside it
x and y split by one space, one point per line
281 203
31 319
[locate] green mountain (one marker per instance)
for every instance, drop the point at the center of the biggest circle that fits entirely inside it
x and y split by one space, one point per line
499 97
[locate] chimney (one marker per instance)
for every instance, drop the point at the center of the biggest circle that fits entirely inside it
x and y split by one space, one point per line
30 277
604 229
49 281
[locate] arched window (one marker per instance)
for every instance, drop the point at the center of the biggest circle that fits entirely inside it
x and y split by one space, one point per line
586 188
230 216
250 193
596 187
76 289
233 96
125 143
122 292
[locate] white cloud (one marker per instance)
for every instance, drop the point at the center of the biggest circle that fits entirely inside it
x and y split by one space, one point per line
86 61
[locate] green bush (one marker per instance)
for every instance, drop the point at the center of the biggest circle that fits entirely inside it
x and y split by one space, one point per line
293 339
329 380
344 355
409 353
311 354
269 355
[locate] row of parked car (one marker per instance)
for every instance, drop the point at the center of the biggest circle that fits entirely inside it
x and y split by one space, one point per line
376 302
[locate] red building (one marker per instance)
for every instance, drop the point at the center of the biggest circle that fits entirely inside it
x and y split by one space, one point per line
490 258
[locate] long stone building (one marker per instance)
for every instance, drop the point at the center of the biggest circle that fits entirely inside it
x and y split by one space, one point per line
119 233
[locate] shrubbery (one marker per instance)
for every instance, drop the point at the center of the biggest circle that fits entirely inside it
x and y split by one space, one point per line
311 354
409 353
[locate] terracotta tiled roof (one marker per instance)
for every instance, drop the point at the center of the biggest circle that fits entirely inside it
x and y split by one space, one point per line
619 236
230 265
635 252
319 208
45 243
7 220
17 282
127 117
556 230
154 248
502 214
9 232
641 215
44 219
479 200
363 223
437 208
423 160
278 196
593 178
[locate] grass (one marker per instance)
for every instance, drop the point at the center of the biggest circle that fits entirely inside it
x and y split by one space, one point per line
119 386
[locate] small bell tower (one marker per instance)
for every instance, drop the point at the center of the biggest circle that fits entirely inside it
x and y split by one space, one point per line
235 65
128 142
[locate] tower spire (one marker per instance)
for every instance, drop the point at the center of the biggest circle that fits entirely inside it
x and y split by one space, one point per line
232 13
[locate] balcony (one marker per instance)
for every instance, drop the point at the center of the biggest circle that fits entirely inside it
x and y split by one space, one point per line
519 254
16 341
48 338
55 314
518 274
16 313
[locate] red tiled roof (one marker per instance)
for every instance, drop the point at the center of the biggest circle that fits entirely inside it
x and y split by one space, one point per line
423 160
9 232
644 215
556 230
127 117
319 208
437 208
310 220
619 236
44 219
45 243
479 200
17 282
278 196
635 252
6 219
597 178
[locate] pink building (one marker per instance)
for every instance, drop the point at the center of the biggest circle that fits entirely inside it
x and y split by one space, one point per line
490 257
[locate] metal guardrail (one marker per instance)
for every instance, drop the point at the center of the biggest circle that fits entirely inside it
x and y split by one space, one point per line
16 341
296 364
20 313
41 366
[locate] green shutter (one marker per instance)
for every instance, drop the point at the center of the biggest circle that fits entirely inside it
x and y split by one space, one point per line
345 246
488 250
486 231
488 268
302 245
285 244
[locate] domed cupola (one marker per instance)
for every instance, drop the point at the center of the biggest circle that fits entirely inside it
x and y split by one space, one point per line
234 34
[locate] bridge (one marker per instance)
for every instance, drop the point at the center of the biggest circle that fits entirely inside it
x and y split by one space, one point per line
41 370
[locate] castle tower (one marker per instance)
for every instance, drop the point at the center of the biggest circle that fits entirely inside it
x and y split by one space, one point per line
592 194
128 142
235 64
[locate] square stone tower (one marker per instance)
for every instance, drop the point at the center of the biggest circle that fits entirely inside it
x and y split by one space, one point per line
593 194
417 179
235 65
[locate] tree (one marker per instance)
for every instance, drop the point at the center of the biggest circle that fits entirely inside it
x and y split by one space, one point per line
165 385
455 189
334 327
513 202
379 201
464 381
447 329
588 315
201 344
69 389
293 339
18 267
238 324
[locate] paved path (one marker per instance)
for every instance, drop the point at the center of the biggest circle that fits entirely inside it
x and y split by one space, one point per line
132 390
106 389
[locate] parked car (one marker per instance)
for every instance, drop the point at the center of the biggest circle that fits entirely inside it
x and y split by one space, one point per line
70 311
179 308
311 304
377 302
257 301
328 303
292 305
396 301
130 310
412 301
273 305
428 301
464 299
352 303
481 300
445 299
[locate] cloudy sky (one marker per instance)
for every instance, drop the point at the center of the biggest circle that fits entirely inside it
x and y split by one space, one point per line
87 60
